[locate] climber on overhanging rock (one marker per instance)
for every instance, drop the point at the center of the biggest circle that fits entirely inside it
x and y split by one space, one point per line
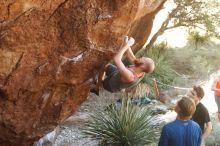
117 77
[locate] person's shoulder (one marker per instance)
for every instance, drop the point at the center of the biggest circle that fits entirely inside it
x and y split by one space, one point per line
171 124
194 124
201 105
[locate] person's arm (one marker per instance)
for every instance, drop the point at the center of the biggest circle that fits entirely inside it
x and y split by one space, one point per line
207 130
208 124
200 137
214 86
130 55
125 73
215 89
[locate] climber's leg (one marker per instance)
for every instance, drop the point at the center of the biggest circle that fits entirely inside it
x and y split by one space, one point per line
109 70
94 82
101 77
106 84
98 82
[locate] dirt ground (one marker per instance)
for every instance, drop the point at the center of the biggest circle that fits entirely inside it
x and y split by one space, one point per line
69 132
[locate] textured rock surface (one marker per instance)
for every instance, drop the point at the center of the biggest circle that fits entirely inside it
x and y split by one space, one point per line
49 49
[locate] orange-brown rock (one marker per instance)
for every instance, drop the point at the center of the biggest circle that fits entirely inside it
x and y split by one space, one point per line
49 49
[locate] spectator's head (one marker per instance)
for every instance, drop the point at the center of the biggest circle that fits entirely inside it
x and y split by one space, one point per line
185 108
197 93
146 64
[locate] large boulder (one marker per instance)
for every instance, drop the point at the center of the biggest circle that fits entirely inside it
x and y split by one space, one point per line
49 51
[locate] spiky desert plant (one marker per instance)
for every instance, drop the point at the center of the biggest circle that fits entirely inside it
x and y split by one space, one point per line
164 71
126 125
198 39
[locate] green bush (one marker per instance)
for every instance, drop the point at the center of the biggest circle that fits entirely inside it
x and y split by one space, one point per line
127 125
198 39
196 64
163 72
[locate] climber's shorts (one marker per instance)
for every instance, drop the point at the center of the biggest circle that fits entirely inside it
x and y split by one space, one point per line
106 84
110 70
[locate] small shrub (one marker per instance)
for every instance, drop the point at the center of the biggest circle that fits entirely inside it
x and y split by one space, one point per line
141 90
163 72
127 125
196 64
197 39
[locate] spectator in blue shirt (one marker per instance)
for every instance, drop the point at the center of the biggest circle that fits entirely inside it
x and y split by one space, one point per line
182 131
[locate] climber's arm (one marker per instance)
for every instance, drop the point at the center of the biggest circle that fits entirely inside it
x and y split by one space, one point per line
130 55
125 73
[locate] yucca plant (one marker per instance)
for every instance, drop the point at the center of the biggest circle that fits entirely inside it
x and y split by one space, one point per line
164 71
198 39
127 125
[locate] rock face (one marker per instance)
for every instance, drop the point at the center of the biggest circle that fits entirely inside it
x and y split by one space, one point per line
49 49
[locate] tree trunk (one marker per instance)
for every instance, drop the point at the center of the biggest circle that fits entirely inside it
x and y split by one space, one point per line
162 29
158 33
